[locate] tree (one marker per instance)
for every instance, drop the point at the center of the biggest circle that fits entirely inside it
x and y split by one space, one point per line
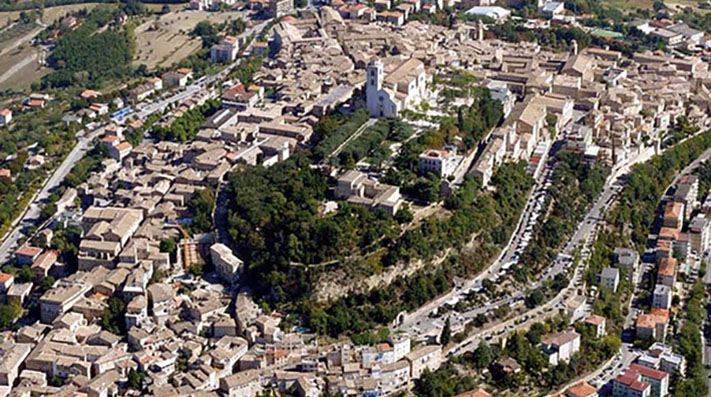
47 283
483 356
113 317
136 379
165 9
446 334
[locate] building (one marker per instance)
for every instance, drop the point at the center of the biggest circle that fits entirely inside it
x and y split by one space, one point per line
493 12
388 95
699 234
27 255
401 345
610 278
652 325
662 297
225 51
582 389
673 215
5 117
474 393
227 264
636 379
561 346
660 356
426 357
279 8
687 193
60 300
598 323
667 272
628 259
12 356
357 188
443 163
179 78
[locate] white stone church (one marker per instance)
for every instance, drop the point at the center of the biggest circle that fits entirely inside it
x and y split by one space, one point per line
403 86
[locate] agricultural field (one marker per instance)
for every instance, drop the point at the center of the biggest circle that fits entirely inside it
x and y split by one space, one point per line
165 39
19 68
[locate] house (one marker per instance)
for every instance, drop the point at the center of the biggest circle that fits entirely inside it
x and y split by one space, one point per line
667 272
5 117
279 8
443 163
12 357
403 87
660 356
597 323
474 393
699 234
357 188
628 259
120 151
561 346
227 264
652 325
27 254
662 297
6 281
673 215
5 174
552 8
687 193
426 357
178 78
225 51
401 345
508 365
60 300
610 278
581 389
241 384
43 264
637 379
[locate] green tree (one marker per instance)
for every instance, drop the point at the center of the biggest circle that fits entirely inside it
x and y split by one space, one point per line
446 334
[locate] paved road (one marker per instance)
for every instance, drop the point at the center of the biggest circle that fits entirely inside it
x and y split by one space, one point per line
31 214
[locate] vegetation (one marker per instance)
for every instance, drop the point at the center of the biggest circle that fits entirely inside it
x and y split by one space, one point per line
691 347
75 55
374 143
275 224
331 131
186 127
575 186
201 205
113 317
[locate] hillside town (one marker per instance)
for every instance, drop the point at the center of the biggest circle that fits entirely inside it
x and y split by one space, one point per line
158 299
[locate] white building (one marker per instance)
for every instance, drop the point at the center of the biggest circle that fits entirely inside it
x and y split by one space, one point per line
403 87
426 357
662 298
401 345
227 264
495 13
561 346
441 162
610 278
5 117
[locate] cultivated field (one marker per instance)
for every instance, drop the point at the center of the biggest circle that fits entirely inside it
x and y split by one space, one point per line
164 40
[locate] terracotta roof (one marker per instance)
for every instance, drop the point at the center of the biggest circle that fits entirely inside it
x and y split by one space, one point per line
29 250
667 267
474 393
5 173
5 112
4 277
647 372
594 319
673 210
582 389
